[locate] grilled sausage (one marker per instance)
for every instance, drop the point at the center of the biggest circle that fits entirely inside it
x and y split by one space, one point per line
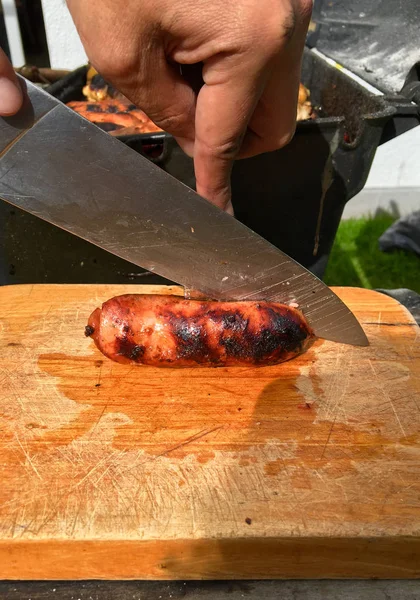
123 116
169 331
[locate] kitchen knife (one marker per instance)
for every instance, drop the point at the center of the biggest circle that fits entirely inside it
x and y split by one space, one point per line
65 170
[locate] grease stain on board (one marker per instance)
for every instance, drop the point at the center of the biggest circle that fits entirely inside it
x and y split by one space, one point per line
201 409
327 426
298 439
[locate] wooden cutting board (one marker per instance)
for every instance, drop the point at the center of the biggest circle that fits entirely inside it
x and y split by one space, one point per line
307 469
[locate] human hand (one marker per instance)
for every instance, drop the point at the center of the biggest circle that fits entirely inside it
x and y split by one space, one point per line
11 96
251 55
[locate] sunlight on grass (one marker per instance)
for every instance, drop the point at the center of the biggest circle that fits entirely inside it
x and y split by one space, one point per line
357 261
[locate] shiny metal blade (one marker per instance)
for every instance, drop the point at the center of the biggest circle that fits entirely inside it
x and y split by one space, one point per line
61 168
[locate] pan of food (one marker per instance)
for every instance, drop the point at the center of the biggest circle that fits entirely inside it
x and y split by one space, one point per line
87 92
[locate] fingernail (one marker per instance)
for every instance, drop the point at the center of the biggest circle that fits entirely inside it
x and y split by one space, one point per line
10 97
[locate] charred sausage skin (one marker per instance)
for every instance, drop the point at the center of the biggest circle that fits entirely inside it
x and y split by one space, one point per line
169 331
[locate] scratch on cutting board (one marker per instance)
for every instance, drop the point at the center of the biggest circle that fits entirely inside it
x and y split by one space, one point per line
97 422
415 343
9 381
298 504
93 469
28 458
75 519
125 501
49 515
109 467
337 386
189 440
328 438
44 319
65 456
388 398
344 390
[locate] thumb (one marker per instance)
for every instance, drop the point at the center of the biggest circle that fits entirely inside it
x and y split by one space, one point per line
11 96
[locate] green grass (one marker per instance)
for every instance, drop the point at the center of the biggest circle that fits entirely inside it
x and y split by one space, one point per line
357 261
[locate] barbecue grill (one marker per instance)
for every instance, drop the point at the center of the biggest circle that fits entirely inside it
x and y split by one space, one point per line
293 197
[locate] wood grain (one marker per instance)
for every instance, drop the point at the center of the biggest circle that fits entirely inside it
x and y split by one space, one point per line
307 469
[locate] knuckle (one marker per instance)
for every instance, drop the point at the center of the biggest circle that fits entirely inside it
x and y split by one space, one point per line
305 9
283 25
168 120
120 65
120 68
226 151
280 29
219 195
288 29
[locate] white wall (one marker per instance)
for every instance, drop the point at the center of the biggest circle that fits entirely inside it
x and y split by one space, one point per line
65 48
394 180
13 32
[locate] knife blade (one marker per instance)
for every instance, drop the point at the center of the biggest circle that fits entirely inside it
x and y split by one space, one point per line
60 167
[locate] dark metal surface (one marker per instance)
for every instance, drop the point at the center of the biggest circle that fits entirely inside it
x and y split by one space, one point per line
377 39
212 590
68 172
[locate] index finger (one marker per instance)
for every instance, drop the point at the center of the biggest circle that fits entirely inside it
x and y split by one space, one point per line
224 107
